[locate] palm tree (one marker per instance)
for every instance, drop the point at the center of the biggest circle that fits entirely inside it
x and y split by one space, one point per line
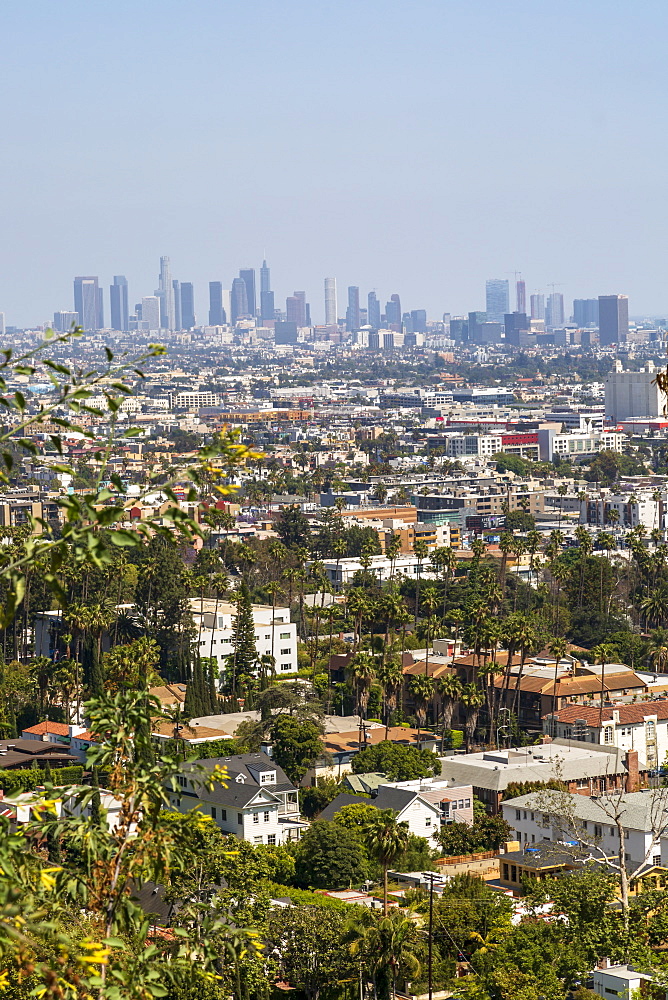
558 649
362 673
392 550
421 551
506 545
472 699
655 607
386 840
449 690
390 676
658 649
422 689
384 944
603 653
430 600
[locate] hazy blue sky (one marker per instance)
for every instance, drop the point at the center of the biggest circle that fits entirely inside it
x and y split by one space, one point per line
417 146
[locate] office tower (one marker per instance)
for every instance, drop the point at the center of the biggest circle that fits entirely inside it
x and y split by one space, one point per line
216 312
248 278
165 293
176 286
267 307
585 312
521 290
285 333
353 310
118 302
613 319
2 323
554 311
88 303
63 320
331 318
393 312
476 319
537 306
150 312
419 320
240 305
496 299
407 323
295 308
373 311
188 306
265 278
517 327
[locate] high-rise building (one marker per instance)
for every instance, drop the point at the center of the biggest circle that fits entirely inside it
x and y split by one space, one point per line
418 320
459 328
150 312
554 311
240 305
247 275
585 312
266 294
517 328
331 318
118 303
476 320
373 311
393 312
353 310
613 319
538 306
2 323
188 306
216 311
295 308
88 303
63 320
265 278
176 285
521 290
496 299
165 292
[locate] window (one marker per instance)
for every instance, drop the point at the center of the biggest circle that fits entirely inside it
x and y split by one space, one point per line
656 860
213 812
266 815
240 819
286 666
627 857
256 817
268 778
285 652
597 830
268 636
284 635
257 840
460 804
607 734
613 992
626 834
223 815
505 871
427 821
271 839
518 814
467 804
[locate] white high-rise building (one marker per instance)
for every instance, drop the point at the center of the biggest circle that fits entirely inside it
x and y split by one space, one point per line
330 302
150 312
633 394
165 294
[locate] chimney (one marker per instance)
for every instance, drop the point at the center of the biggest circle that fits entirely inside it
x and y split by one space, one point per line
632 777
545 740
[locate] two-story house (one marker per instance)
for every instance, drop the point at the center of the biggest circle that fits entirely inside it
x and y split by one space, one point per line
642 726
275 634
422 816
255 802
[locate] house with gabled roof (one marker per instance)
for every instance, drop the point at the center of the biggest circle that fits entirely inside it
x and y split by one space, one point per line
256 801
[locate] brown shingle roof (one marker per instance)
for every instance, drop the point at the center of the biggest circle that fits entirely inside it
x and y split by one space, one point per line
342 742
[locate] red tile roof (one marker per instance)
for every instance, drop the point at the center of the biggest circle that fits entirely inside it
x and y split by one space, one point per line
627 714
56 728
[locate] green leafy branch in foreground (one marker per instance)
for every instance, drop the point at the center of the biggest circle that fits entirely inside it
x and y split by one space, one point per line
92 521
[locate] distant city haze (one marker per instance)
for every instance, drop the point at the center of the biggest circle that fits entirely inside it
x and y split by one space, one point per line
417 149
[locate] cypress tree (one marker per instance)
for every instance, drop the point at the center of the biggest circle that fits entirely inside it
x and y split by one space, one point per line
213 693
95 803
243 637
96 671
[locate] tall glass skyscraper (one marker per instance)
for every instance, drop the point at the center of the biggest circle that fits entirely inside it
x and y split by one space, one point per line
538 306
248 277
239 300
216 311
373 311
497 302
88 302
353 310
187 305
613 319
393 312
165 293
331 309
266 294
118 302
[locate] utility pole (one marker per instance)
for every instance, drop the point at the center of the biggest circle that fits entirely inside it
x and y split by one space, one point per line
431 876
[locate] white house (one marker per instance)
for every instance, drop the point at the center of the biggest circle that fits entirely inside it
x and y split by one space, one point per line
557 816
214 621
341 571
642 726
422 816
257 802
619 981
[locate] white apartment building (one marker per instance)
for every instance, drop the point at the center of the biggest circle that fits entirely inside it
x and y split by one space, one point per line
632 508
192 400
214 622
577 444
341 572
589 820
633 394
642 727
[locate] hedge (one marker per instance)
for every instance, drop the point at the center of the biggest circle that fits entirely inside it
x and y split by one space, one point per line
12 782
